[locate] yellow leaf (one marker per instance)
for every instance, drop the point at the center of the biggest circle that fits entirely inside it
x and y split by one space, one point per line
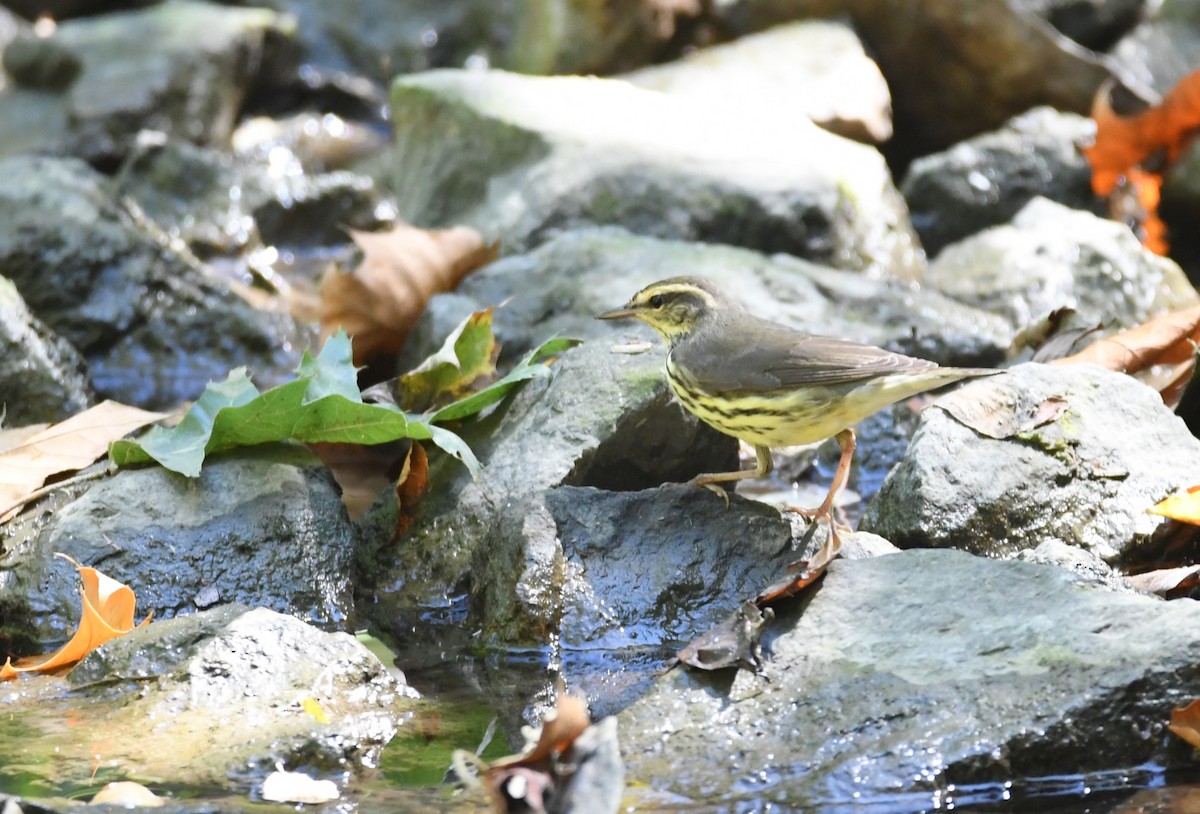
313 707
108 608
1185 507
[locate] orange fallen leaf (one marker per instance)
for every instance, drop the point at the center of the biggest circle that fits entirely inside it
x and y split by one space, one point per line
411 487
63 447
1161 352
1185 722
1124 144
108 608
1184 507
380 301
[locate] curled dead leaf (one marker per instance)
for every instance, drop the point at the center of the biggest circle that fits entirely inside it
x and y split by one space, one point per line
411 487
732 643
108 608
1161 353
1185 722
380 301
1164 580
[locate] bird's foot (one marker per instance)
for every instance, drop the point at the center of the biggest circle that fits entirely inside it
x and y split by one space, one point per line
833 543
711 486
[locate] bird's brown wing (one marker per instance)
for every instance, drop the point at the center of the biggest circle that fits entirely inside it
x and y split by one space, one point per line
772 357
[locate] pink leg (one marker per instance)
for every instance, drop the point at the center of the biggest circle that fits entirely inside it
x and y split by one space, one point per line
831 548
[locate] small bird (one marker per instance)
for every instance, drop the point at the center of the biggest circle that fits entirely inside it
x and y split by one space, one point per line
773 386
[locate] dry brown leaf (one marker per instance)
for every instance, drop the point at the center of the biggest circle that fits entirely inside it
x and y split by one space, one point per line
997 410
798 577
63 447
1124 144
380 301
1185 722
108 608
734 642
1163 580
1161 353
411 487
15 436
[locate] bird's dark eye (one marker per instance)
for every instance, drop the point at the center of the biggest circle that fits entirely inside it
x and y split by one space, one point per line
656 301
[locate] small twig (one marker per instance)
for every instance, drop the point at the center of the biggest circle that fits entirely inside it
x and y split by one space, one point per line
51 487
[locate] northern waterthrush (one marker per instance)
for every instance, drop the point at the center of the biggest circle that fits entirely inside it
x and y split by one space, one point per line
770 385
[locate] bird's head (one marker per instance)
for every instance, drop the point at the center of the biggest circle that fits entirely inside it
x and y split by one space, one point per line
675 307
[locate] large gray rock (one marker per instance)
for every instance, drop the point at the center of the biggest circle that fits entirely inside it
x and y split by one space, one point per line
907 676
223 690
180 67
247 530
955 70
617 578
521 158
815 67
1051 256
42 378
154 325
1078 455
986 180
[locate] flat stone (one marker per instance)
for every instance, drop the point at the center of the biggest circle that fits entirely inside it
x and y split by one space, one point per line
908 677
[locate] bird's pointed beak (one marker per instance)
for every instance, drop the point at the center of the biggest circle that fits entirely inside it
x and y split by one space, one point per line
618 313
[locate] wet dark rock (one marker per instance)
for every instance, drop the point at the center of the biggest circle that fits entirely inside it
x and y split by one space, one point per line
953 75
42 378
608 570
516 157
39 63
816 66
224 688
603 419
559 288
1085 477
154 325
259 531
180 67
902 676
986 180
217 202
1094 24
1050 257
